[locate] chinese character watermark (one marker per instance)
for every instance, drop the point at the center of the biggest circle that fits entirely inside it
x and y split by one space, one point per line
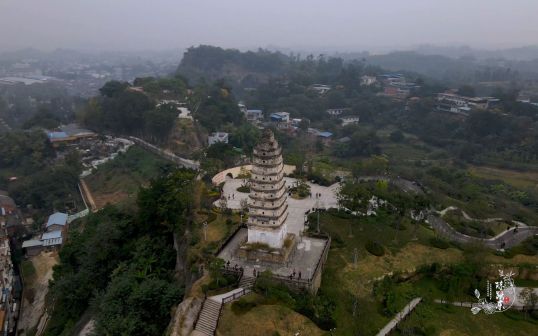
505 295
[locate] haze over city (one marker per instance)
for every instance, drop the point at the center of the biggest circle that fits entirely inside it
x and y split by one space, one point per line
343 25
247 167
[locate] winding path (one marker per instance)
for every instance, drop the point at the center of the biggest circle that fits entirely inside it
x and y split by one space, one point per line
507 239
510 238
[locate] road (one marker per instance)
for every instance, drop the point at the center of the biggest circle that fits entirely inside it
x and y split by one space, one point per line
510 238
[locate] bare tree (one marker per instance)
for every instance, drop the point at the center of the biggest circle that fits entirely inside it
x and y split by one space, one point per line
529 299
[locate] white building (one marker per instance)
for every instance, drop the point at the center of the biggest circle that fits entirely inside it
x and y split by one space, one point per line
254 115
335 112
321 88
368 80
216 137
350 120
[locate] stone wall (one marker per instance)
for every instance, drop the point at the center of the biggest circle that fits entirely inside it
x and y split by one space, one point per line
235 171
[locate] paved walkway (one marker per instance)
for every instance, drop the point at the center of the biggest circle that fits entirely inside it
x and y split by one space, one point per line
510 238
399 317
167 155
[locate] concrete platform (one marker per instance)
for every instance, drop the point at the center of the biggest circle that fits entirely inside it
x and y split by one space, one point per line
296 208
304 257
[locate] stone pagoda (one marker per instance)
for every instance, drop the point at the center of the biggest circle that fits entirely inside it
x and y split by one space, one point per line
268 207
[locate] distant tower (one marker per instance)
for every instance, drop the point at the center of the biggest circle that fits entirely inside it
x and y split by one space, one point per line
268 207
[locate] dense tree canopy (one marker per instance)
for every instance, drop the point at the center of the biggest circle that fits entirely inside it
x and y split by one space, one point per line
121 264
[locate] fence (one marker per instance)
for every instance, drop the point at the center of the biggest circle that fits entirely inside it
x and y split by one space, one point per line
399 317
78 215
167 155
234 296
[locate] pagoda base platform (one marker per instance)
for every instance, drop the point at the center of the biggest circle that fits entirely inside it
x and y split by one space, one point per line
266 254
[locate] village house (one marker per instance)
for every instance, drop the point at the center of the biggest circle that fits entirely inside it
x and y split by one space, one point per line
368 80
349 120
335 112
56 221
321 89
52 239
281 119
69 134
254 116
8 300
217 137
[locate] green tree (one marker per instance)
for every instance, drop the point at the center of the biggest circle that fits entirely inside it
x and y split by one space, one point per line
113 88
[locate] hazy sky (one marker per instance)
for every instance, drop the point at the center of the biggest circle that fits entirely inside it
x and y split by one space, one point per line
348 24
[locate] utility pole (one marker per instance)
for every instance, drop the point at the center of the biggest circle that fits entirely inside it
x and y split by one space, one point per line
318 219
204 224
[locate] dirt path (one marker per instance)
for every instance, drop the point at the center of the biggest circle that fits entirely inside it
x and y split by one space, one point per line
88 195
36 288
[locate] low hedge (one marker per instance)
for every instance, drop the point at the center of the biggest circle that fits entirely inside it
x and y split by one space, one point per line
439 243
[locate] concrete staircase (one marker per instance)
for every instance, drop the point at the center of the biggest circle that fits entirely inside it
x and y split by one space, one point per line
210 313
247 282
209 317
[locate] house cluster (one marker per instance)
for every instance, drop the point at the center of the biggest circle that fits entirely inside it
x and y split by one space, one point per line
10 296
52 238
181 107
97 151
10 216
452 102
396 86
368 80
325 136
344 115
320 89
217 137
281 120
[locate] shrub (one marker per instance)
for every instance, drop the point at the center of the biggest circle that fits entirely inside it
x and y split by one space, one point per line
340 213
242 306
375 248
211 217
337 241
244 189
439 243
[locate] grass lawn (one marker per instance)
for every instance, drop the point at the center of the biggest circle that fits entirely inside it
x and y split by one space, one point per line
450 320
120 179
350 284
476 228
265 320
515 178
28 270
406 152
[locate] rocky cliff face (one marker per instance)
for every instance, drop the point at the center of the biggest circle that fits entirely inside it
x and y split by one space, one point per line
186 138
184 319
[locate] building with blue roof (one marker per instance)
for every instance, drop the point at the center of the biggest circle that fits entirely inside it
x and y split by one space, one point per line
56 221
52 239
56 136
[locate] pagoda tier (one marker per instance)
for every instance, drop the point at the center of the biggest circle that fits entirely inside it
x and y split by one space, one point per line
268 208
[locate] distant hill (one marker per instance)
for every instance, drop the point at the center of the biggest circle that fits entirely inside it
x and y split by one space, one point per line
245 68
466 69
526 53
